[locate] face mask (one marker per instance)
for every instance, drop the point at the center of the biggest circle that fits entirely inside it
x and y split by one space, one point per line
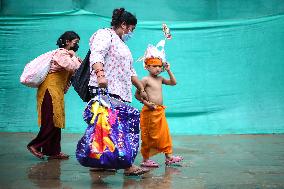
127 36
75 48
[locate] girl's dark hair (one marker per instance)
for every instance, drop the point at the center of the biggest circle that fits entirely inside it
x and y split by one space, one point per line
121 15
68 35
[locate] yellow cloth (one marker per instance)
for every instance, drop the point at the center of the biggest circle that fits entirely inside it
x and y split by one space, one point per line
155 132
55 83
100 139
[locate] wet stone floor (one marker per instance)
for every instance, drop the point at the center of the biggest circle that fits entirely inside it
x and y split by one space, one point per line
226 161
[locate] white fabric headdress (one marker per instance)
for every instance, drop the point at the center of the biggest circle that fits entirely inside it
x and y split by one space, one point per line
158 50
155 52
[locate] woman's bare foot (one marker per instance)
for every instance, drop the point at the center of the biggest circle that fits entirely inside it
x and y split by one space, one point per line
135 171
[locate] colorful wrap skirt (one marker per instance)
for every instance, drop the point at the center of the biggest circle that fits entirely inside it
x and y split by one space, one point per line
111 140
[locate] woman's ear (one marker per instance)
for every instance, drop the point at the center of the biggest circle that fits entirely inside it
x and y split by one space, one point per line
123 25
67 42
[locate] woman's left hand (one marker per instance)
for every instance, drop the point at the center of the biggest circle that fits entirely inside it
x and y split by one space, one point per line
102 82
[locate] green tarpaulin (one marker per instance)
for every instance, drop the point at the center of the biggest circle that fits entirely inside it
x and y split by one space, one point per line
228 58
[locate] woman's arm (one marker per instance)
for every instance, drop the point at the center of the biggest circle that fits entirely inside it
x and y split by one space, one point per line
99 71
99 46
140 87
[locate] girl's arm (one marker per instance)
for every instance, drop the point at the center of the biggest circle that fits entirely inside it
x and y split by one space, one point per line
67 60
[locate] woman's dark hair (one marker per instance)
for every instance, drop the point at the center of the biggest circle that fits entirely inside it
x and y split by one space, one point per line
121 15
67 36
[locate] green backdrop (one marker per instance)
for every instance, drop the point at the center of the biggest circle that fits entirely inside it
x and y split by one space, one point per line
228 58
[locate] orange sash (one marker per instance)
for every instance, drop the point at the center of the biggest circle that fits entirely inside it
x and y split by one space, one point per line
154 62
155 132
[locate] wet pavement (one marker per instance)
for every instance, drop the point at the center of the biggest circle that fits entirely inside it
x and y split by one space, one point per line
227 161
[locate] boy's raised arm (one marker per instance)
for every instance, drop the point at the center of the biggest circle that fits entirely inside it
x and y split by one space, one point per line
172 80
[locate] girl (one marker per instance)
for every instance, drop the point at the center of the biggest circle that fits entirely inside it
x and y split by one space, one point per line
50 98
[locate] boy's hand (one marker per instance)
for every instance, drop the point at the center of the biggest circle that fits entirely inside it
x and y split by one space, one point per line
152 106
144 95
167 66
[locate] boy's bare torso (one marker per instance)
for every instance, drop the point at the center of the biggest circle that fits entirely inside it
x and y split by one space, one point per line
153 87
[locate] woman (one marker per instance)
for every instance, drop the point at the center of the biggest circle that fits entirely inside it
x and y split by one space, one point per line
50 98
111 64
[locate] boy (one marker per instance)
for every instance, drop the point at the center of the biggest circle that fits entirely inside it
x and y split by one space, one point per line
155 133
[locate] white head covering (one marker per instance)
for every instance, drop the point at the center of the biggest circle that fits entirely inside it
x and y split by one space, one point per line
155 52
158 50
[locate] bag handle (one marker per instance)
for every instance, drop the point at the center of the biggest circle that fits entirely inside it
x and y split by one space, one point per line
100 93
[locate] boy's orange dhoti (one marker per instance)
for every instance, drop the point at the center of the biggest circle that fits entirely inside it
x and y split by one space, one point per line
155 132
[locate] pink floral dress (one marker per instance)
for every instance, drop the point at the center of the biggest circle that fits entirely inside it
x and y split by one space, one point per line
106 47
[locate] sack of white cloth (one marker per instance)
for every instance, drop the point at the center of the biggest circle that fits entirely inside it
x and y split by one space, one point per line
36 70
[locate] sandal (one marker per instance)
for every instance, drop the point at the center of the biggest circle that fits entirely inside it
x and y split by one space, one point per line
136 171
35 152
173 160
149 163
61 155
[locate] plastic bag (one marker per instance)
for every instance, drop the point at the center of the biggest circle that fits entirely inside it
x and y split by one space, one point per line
36 71
111 139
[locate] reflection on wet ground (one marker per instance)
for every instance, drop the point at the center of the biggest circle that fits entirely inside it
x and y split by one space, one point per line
151 180
45 174
229 161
